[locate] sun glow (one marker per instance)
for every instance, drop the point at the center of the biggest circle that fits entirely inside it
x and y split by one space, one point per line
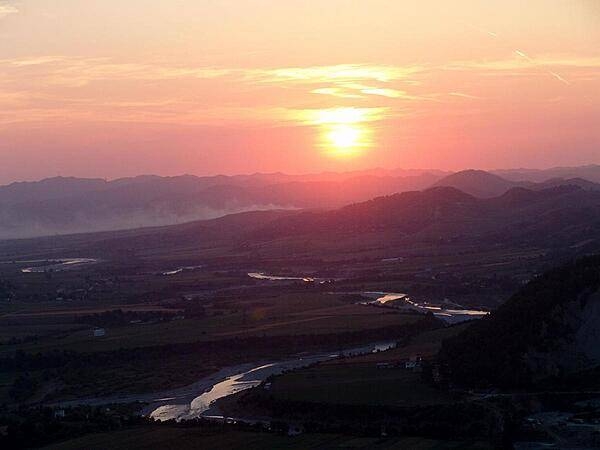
344 131
344 140
344 136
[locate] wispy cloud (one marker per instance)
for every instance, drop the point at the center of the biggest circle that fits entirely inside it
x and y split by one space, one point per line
7 9
336 92
55 87
350 81
346 116
340 73
463 95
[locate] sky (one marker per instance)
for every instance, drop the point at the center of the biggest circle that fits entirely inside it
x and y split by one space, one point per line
107 88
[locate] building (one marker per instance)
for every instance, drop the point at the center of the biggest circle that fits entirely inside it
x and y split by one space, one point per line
384 365
414 363
99 332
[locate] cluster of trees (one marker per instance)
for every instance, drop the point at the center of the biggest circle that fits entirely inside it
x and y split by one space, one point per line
23 387
6 290
22 361
119 317
39 426
14 340
460 420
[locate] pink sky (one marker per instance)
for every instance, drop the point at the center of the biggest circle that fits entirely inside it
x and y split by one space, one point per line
112 88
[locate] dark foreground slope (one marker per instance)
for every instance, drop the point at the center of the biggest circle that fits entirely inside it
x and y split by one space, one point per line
550 329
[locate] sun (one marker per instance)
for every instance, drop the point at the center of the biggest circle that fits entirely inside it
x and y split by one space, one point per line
343 132
344 140
344 136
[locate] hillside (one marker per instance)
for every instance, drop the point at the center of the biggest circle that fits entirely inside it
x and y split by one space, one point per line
405 213
549 329
478 183
562 220
550 217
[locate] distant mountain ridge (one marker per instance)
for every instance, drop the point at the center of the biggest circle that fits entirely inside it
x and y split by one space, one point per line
65 205
480 183
589 172
72 205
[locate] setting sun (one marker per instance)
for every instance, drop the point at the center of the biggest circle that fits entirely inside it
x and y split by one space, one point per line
344 140
343 132
344 136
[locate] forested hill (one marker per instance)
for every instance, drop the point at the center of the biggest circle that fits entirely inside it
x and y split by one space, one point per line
549 329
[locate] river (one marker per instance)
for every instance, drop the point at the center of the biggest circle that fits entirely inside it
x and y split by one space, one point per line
394 300
171 272
202 405
196 400
56 265
263 276
402 301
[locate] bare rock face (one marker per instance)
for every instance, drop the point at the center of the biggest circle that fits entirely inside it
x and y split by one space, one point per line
574 345
587 339
549 330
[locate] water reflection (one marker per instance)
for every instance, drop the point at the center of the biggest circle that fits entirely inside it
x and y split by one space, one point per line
403 301
56 265
203 405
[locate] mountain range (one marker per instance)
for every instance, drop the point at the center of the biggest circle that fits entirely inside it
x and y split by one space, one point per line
75 205
563 220
551 217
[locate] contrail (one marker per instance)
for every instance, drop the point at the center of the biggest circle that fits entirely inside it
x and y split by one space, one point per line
524 55
560 78
542 67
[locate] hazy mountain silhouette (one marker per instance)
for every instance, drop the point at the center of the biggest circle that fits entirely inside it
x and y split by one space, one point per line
71 205
580 182
590 172
479 183
74 205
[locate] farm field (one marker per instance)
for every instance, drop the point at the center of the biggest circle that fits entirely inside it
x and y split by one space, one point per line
178 438
282 314
356 384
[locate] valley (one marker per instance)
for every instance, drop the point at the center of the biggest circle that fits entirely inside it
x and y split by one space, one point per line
256 315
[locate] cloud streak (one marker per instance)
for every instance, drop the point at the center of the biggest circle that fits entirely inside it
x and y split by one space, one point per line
55 88
7 9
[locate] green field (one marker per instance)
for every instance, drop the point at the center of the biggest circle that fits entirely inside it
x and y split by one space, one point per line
166 438
293 314
356 385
